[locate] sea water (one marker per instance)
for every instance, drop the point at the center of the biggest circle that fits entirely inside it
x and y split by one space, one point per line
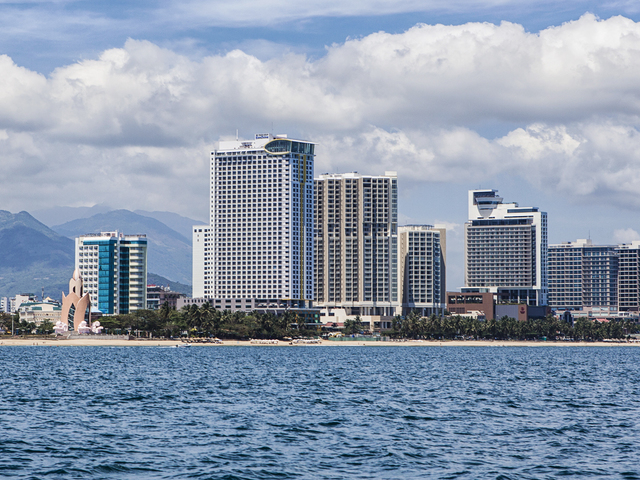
319 412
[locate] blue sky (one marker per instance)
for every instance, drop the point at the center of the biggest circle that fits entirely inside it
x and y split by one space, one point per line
43 35
118 103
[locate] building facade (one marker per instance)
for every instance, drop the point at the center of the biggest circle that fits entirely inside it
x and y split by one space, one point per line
460 303
114 269
40 312
628 277
158 295
583 275
15 302
505 250
422 269
356 243
259 243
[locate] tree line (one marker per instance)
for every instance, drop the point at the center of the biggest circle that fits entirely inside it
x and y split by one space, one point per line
506 328
205 321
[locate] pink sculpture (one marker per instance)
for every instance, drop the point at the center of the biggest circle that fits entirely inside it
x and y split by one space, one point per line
76 306
60 328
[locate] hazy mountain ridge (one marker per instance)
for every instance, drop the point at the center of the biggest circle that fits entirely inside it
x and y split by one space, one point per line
182 225
60 215
33 255
168 252
153 279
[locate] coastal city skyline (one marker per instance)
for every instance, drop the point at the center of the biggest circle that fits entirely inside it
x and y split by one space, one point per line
367 239
531 100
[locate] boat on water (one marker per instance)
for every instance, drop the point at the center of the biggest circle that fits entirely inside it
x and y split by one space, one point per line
182 345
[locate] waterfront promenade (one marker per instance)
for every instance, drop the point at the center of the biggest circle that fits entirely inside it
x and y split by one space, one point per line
95 342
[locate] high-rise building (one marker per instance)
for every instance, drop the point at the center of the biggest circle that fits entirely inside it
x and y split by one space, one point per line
259 243
422 269
114 269
505 250
629 277
356 242
583 275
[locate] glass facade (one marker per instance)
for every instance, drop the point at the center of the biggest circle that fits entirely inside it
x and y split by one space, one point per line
114 270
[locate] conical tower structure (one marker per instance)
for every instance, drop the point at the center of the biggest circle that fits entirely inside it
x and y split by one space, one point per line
76 306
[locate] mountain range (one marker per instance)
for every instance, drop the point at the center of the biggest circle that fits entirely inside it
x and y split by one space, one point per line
168 252
33 255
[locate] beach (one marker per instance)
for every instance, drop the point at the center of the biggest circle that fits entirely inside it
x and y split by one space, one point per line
98 342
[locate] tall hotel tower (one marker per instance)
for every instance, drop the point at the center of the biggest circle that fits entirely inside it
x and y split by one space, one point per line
356 243
259 243
113 267
505 250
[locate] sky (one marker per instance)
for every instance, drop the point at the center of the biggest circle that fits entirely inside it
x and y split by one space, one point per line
119 103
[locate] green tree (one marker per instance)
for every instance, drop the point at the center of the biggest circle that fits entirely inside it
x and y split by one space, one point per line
46 327
352 326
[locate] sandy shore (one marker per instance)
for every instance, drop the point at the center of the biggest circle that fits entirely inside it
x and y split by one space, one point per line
78 342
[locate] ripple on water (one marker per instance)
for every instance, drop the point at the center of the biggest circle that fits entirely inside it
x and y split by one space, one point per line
319 413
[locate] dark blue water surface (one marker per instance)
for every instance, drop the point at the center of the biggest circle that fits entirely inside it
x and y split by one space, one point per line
319 412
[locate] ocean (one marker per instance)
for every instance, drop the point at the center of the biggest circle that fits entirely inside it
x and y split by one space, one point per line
319 412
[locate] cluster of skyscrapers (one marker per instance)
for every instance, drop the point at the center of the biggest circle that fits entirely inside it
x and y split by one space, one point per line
277 234
280 236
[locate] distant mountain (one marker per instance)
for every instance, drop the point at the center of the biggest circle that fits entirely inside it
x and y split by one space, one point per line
59 215
182 225
33 256
168 252
153 279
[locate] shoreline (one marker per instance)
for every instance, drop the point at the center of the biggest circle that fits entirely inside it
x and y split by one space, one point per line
97 342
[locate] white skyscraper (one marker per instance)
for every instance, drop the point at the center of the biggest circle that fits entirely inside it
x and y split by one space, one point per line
505 249
259 243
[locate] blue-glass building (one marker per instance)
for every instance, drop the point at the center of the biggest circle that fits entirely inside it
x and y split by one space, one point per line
114 269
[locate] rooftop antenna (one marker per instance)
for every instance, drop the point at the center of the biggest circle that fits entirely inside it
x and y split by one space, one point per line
43 294
236 134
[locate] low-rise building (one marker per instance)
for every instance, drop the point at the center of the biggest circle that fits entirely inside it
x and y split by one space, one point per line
158 295
18 300
330 317
39 312
463 303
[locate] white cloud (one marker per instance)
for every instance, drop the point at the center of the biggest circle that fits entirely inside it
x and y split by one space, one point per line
452 228
625 235
133 126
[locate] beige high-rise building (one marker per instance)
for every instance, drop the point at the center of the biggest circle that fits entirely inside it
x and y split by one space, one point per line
356 243
422 269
